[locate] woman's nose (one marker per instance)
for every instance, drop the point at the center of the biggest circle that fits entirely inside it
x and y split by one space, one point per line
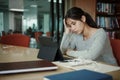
72 28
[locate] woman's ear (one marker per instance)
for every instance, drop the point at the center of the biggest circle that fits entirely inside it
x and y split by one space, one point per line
83 18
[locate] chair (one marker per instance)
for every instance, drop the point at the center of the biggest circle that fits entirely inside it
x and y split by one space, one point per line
3 33
37 34
48 34
16 39
115 43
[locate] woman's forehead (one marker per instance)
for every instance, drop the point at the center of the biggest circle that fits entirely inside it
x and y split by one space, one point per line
69 20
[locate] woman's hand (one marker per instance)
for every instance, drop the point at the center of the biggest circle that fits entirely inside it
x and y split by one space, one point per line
67 29
68 50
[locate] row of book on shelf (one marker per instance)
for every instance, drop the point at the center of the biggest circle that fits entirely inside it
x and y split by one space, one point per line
107 22
106 7
111 34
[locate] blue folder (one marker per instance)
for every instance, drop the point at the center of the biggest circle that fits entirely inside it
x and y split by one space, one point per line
79 75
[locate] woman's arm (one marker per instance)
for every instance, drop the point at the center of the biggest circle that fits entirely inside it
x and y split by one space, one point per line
67 42
94 51
66 39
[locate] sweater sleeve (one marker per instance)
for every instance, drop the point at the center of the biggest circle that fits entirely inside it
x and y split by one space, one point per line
94 51
66 42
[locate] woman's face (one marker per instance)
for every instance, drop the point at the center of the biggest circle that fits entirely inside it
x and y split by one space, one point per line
76 26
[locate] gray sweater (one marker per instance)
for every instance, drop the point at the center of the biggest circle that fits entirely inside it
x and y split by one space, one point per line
97 47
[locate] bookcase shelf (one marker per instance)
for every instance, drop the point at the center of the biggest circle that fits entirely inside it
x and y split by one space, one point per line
111 30
108 16
107 1
105 14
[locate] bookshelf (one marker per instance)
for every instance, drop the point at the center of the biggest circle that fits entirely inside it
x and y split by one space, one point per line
112 16
108 16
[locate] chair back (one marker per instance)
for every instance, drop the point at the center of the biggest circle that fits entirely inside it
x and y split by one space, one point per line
37 34
115 43
48 34
16 39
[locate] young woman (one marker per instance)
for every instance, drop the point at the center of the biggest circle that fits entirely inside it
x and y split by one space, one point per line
83 39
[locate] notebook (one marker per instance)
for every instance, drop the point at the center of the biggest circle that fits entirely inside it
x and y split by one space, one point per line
79 75
49 50
26 66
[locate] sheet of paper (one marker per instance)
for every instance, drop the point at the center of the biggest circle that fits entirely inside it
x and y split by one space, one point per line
88 64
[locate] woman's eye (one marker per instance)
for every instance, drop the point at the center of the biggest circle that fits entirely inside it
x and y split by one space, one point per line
68 26
73 23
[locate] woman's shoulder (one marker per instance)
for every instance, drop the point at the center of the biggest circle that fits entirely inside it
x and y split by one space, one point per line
101 31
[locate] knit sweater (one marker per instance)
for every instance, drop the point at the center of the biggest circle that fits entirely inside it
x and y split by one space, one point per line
97 47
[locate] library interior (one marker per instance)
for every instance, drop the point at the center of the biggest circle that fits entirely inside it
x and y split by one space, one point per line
32 34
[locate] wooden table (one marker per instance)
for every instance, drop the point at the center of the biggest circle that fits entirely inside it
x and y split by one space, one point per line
17 54
9 53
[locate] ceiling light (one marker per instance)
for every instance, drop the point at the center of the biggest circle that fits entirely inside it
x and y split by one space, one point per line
19 10
60 1
33 5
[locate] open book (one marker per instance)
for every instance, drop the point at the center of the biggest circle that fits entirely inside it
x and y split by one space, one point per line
26 66
79 64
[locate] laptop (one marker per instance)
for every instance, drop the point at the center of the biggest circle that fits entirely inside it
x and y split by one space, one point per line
49 50
26 66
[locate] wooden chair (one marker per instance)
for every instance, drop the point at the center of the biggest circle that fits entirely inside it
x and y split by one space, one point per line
115 43
16 39
37 34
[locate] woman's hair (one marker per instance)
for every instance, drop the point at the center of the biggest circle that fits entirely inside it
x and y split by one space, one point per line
77 13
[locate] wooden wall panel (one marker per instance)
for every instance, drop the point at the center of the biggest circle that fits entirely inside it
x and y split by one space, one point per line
87 5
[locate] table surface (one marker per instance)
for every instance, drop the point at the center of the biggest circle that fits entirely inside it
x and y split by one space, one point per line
9 53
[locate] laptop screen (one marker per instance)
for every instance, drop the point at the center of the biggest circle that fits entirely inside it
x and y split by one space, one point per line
49 49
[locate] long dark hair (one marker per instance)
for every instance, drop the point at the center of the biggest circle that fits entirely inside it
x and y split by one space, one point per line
76 14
